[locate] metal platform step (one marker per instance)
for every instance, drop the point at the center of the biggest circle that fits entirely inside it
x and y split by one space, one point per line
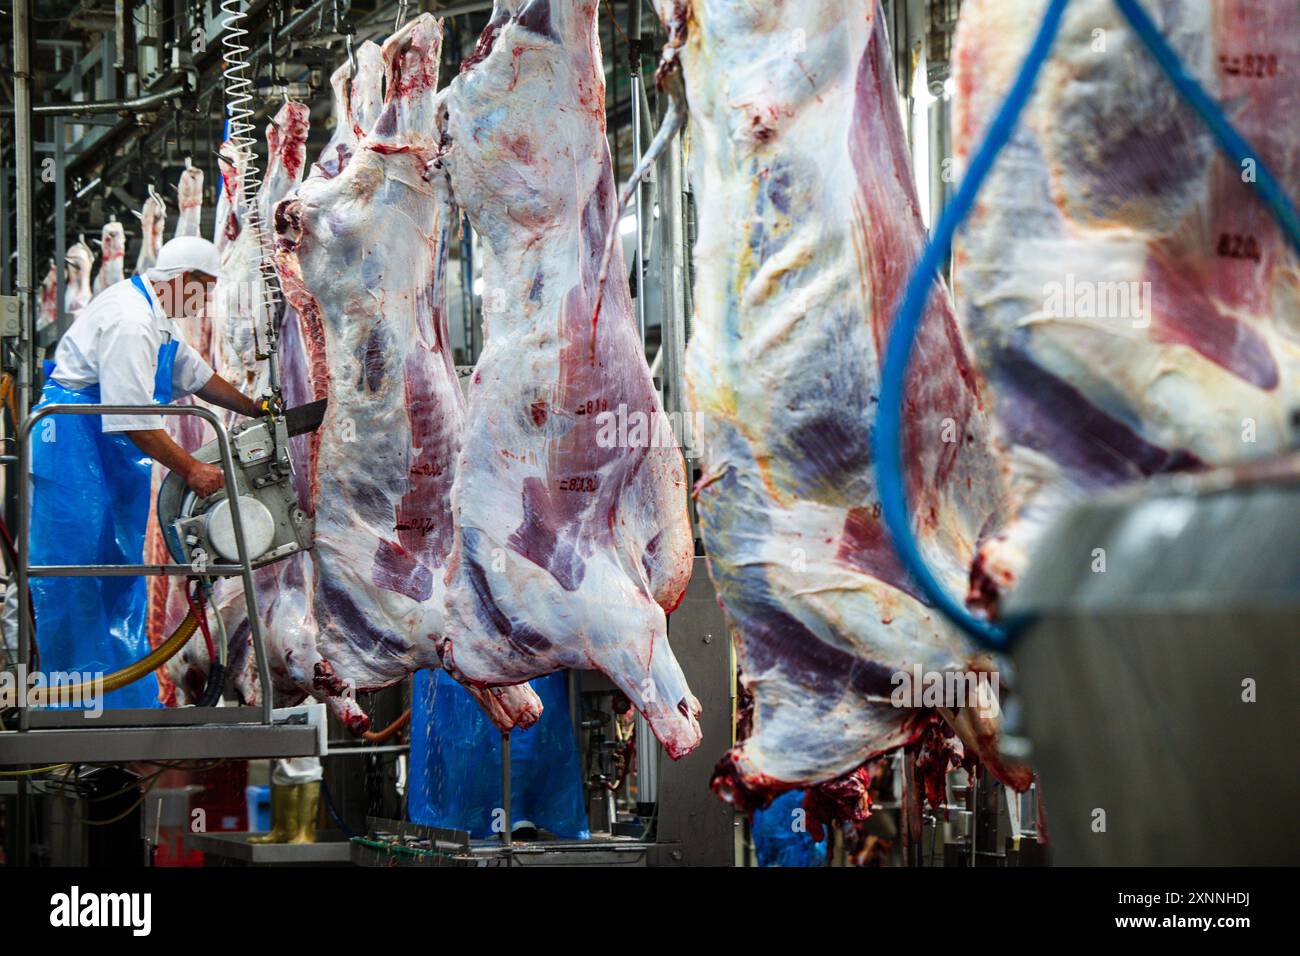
330 848
182 733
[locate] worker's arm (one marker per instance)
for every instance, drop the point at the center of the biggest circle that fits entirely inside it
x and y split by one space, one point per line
158 445
218 391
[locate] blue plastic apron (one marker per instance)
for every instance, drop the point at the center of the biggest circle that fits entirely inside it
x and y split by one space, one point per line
778 842
455 764
90 505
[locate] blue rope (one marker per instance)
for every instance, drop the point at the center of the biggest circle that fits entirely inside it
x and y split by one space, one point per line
887 443
888 450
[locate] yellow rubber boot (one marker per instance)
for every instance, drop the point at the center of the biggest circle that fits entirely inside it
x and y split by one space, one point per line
284 816
308 807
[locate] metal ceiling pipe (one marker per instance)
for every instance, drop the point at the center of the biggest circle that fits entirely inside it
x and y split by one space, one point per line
26 283
26 277
93 107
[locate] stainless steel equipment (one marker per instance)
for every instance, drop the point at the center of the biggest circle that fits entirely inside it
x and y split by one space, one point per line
198 531
1159 680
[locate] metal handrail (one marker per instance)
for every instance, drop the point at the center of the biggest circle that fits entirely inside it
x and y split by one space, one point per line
24 571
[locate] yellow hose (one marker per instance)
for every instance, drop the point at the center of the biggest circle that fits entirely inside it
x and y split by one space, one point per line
164 652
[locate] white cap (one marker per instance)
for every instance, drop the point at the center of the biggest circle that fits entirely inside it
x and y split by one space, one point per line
185 254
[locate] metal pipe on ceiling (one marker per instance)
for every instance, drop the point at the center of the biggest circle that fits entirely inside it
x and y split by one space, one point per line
94 107
26 282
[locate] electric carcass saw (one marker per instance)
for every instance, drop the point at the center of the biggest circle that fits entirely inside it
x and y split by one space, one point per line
199 531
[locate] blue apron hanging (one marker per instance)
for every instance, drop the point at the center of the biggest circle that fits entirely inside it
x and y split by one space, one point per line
90 505
455 775
778 842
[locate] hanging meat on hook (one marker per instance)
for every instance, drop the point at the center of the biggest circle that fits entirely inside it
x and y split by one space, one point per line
79 261
808 224
357 101
242 299
153 218
362 259
112 255
49 298
189 200
572 540
1131 304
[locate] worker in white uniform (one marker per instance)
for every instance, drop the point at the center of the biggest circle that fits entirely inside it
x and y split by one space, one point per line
91 475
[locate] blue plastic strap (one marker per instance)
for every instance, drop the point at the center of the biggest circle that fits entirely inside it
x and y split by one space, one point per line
139 284
887 443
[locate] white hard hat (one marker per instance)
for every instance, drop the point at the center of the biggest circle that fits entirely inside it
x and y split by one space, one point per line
185 254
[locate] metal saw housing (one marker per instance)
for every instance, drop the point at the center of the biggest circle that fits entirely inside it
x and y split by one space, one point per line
263 475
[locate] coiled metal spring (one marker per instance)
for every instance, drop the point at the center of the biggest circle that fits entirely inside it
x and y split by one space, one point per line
242 137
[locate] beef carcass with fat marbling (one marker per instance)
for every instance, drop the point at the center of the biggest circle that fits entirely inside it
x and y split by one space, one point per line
189 199
280 585
357 101
362 259
78 263
153 217
1132 305
230 198
808 225
570 545
241 296
49 312
112 255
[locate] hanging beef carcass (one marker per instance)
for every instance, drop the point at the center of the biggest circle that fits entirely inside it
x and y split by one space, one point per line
808 225
571 543
189 199
362 259
242 298
1132 306
196 331
112 255
79 261
278 584
153 217
357 101
230 202
49 298
228 339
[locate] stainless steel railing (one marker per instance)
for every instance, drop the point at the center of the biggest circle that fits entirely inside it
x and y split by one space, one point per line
24 571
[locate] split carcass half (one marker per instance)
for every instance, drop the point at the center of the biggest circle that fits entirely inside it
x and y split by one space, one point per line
189 199
362 260
230 200
78 261
112 255
808 226
1132 306
571 543
277 583
242 297
237 326
49 298
357 101
153 218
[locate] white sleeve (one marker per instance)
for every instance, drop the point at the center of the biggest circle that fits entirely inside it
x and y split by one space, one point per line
128 362
190 373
